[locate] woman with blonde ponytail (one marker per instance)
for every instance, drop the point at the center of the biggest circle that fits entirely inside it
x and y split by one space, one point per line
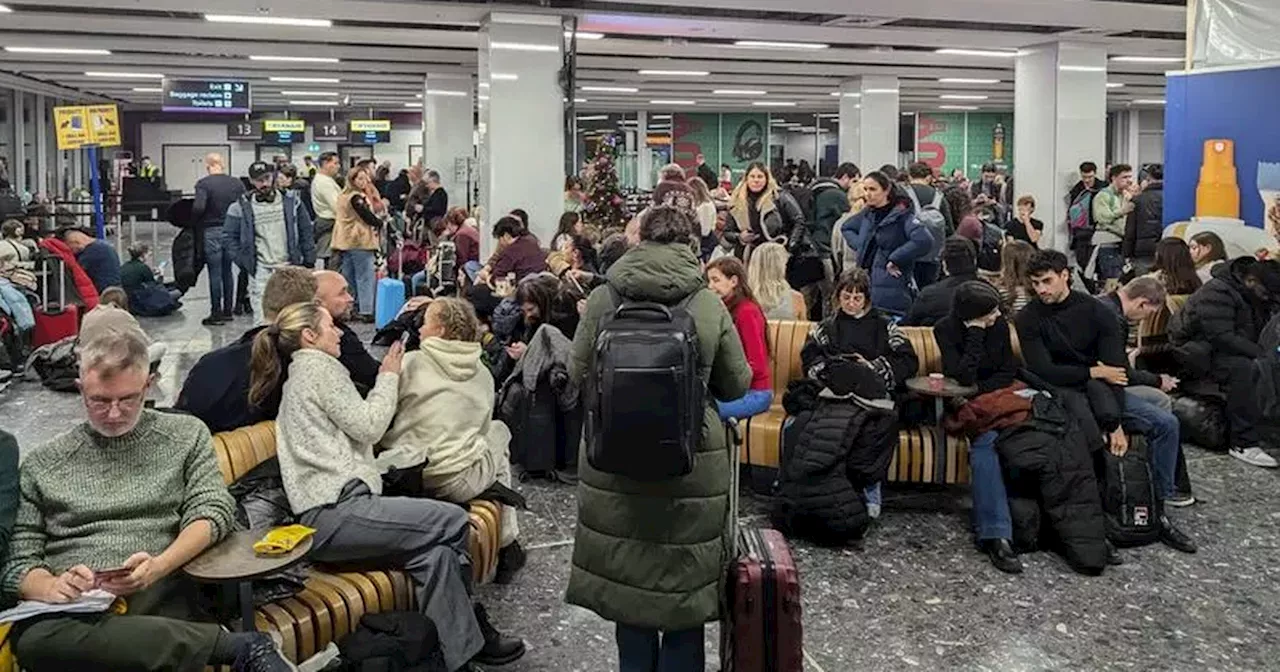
325 436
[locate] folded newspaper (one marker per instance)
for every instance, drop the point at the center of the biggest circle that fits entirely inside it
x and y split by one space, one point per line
90 602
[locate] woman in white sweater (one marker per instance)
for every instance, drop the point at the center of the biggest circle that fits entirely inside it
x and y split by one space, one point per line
445 418
325 437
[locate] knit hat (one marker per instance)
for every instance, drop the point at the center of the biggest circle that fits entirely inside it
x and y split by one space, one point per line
974 299
960 256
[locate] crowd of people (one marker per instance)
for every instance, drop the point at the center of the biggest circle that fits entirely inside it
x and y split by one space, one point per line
496 370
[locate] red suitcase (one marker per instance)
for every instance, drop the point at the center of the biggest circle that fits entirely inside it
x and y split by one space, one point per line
54 321
761 630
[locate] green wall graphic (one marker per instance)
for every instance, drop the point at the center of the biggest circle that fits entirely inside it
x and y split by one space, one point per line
735 139
965 140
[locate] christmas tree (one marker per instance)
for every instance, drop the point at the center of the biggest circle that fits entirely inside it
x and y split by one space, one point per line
605 207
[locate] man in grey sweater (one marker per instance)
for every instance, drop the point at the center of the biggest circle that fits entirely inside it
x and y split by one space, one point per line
131 489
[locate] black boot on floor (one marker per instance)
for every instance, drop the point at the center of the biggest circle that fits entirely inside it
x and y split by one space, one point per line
1113 556
498 649
261 655
1002 556
1174 538
511 559
214 320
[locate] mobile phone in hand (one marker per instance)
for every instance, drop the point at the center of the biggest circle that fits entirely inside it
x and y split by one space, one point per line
102 576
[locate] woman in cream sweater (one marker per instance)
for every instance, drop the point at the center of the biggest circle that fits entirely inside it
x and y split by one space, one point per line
445 418
325 438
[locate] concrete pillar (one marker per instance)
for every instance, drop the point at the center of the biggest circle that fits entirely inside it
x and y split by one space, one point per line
850 147
878 121
1060 113
644 160
448 130
521 126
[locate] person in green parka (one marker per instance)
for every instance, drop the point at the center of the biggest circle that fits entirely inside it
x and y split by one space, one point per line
650 556
8 489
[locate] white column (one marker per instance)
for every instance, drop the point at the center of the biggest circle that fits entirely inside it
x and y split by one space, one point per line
878 133
850 147
42 181
1060 121
448 125
522 121
644 160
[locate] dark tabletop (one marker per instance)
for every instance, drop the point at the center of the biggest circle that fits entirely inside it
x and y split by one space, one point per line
950 388
233 559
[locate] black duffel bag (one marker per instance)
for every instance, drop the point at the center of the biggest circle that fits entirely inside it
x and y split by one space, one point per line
1202 421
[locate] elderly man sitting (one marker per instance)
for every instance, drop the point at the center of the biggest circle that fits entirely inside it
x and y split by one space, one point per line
130 488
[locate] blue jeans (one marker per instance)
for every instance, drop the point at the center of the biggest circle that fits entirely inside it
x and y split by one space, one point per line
357 268
1163 438
415 280
991 519
650 650
1110 263
222 283
754 403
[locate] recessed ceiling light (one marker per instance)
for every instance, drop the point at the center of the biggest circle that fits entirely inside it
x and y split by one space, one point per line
309 93
764 44
955 96
672 102
57 50
523 46
675 73
268 20
295 59
146 89
957 107
595 117
503 76
4 10
1082 68
1150 101
977 52
659 117
125 75
1115 85
740 92
880 90
413 104
1147 59
442 92
316 103
305 80
773 103
585 36
967 80
579 100
610 89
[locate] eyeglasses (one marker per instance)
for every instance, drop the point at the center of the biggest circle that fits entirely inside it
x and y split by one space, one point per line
102 405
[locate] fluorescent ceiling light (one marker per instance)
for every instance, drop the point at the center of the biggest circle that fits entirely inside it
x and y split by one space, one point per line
740 92
146 89
305 80
579 100
1150 101
125 75
977 52
442 92
659 116
908 114
672 102
1115 85
503 76
269 20
880 90
308 93
413 104
1146 59
773 103
758 44
1081 68
610 89
57 50
828 116
296 59
957 107
595 117
954 96
675 73
585 36
967 80
523 46
316 103
4 10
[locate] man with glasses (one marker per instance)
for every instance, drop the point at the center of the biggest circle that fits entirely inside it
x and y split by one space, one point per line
131 490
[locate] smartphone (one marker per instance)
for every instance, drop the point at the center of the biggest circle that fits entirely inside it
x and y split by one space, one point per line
102 576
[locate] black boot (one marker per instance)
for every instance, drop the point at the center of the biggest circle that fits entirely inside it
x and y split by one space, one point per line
1113 556
1002 556
511 559
498 649
214 320
261 656
1174 538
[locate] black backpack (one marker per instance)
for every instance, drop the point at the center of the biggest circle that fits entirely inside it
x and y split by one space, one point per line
644 394
1129 498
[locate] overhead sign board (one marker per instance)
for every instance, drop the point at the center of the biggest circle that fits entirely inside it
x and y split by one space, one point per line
370 131
330 130
82 125
205 95
244 130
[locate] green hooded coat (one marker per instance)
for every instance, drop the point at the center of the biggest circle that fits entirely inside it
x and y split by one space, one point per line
653 554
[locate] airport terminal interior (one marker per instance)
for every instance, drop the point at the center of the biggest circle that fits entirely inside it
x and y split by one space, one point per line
858 163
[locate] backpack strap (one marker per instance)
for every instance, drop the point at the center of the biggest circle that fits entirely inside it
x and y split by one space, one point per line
937 199
915 199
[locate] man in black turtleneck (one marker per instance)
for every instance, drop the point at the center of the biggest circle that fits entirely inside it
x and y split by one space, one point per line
1069 338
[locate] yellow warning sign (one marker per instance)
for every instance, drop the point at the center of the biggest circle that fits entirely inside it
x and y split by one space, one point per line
104 125
278 125
363 125
72 127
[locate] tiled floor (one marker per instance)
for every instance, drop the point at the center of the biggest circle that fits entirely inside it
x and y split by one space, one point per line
916 596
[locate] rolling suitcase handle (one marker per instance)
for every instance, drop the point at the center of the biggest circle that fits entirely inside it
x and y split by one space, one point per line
734 440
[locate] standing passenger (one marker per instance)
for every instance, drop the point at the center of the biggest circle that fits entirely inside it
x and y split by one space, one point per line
215 193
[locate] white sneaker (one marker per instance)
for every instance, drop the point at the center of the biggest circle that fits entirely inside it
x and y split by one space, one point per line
1255 456
873 510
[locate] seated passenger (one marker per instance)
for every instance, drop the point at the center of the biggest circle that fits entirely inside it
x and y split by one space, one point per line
334 295
445 419
217 388
8 489
1015 289
1217 333
98 259
977 351
1069 338
518 253
858 334
147 295
130 488
728 279
959 266
768 273
325 441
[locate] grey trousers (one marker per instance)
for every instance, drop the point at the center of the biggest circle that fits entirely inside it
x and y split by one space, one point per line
427 538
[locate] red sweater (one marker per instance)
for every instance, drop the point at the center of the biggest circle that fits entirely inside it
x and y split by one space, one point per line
750 322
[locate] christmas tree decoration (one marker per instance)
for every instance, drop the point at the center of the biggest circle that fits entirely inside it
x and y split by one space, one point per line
605 207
